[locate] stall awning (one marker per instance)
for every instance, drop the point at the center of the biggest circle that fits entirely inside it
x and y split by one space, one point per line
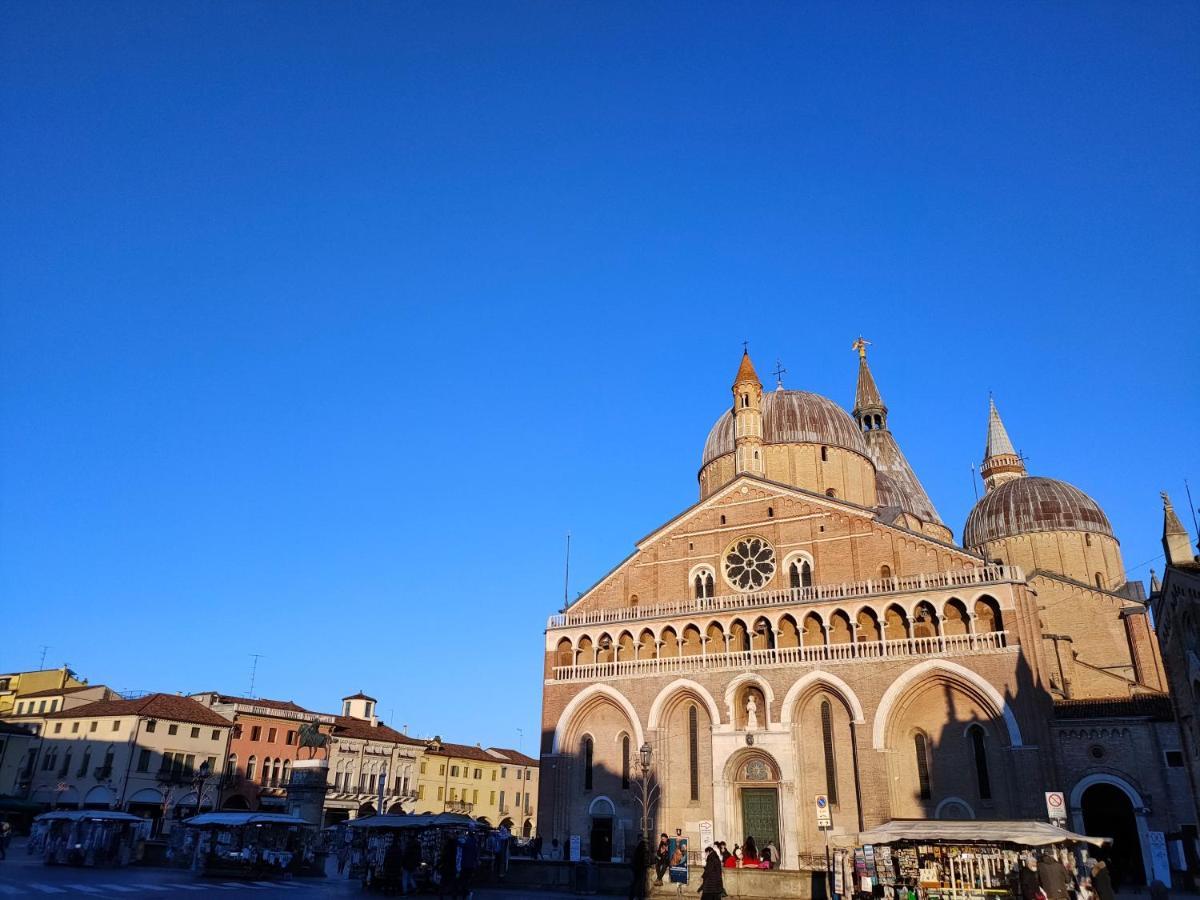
226 819
86 815
1026 833
441 820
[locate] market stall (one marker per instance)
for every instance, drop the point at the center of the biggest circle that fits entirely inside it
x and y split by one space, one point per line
88 837
247 844
378 845
949 860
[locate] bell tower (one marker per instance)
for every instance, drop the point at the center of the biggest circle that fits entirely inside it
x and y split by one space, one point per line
1000 461
747 419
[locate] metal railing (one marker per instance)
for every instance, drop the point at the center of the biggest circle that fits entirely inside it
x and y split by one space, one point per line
817 593
939 645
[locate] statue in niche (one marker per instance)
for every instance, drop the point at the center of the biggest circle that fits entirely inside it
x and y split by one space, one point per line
751 712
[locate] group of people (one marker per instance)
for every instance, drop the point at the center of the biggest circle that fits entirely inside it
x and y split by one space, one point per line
1047 878
717 857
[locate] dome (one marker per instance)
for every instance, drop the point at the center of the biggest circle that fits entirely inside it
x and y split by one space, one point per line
1025 505
792 417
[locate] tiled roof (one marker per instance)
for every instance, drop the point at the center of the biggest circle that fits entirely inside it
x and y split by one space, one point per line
463 751
515 756
59 692
357 728
360 696
1141 706
153 706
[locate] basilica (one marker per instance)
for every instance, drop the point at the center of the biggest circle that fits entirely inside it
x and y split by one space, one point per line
811 627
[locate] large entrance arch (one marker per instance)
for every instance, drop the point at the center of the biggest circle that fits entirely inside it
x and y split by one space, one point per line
1105 805
1108 812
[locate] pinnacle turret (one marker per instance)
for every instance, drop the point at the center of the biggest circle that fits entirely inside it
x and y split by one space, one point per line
1000 461
748 419
869 408
1177 544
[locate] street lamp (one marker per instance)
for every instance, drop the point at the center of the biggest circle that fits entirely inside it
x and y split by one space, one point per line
644 754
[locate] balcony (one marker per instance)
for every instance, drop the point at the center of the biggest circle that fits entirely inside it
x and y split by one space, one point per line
817 593
863 651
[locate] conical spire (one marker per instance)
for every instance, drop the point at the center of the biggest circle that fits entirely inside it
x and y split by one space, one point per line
746 371
1176 542
997 438
1000 461
869 409
1155 584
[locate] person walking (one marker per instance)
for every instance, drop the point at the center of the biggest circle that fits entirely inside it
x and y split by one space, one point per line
639 866
409 866
712 882
662 860
1027 878
1102 881
1052 876
343 857
468 863
536 847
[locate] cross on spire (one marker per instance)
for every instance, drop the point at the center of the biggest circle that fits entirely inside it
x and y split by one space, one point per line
745 346
779 372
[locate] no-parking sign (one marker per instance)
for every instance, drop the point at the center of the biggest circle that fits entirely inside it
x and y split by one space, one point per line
1056 806
824 814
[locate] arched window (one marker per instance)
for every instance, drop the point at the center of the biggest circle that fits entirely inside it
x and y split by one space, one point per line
885 571
1087 539
979 750
800 573
231 767
694 751
287 771
830 492
1099 581
830 759
703 584
275 773
625 761
770 512
824 454
921 747
250 768
587 763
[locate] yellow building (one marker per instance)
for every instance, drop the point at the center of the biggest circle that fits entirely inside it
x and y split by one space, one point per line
14 685
493 783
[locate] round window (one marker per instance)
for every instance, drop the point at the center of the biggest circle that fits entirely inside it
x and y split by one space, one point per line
749 563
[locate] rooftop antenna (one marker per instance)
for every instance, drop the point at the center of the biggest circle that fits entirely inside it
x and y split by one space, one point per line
567 573
779 372
45 647
520 740
253 671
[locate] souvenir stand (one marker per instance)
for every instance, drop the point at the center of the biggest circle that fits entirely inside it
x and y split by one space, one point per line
247 844
373 836
947 860
88 837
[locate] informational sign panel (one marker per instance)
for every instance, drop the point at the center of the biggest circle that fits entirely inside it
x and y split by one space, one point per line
1158 856
839 872
574 848
824 814
677 856
1056 807
706 834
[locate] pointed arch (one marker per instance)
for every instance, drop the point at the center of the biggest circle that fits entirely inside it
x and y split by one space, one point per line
580 702
830 682
982 689
685 685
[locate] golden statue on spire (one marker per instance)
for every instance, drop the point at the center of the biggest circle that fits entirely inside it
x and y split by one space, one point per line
861 346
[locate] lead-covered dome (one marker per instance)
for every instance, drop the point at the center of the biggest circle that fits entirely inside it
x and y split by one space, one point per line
792 417
1031 504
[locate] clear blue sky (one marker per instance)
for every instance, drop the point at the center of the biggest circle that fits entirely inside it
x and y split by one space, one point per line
323 323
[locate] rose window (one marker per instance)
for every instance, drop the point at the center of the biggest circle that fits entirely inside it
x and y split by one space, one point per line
749 564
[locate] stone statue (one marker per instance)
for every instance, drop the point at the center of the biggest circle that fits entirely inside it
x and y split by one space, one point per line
751 712
312 738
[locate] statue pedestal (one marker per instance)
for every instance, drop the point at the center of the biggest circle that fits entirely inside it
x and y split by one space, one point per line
306 790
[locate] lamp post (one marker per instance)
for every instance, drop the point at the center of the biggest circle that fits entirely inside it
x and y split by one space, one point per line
644 758
198 782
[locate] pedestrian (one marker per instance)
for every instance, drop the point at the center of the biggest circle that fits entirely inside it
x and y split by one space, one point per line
468 862
410 865
447 873
343 857
726 857
1027 878
555 852
750 852
1052 876
1102 881
639 866
5 837
773 849
536 847
712 883
662 860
